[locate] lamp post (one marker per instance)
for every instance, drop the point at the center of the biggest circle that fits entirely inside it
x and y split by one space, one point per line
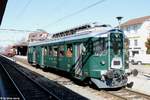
119 20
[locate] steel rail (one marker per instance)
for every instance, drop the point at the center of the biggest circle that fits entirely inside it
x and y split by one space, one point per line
117 96
22 96
46 90
130 93
142 94
43 88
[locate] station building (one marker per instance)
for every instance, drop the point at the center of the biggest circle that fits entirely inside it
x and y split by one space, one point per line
37 36
137 31
21 48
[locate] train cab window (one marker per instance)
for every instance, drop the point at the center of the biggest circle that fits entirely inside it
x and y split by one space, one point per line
116 42
61 51
69 50
54 51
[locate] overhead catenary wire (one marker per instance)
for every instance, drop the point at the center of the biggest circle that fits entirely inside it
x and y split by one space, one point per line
75 13
16 30
24 9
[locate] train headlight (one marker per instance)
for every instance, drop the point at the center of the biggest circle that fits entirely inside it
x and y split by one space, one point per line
103 62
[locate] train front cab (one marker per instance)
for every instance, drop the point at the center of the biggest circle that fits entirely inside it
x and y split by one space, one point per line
112 72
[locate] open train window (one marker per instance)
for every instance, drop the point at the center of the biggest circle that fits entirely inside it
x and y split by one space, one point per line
50 50
61 51
54 50
69 50
45 50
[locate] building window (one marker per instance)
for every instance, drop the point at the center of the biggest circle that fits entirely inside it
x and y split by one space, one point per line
128 28
135 42
134 53
128 42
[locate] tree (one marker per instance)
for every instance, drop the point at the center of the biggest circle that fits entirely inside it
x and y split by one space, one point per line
126 44
147 44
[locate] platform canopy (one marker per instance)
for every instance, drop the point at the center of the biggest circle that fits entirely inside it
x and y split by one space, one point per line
2 9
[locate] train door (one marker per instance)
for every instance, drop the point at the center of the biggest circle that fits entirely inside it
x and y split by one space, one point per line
78 59
54 62
34 55
61 58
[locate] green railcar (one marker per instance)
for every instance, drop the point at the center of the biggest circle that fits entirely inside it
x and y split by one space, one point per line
96 55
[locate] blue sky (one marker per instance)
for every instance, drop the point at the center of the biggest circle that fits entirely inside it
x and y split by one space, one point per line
42 14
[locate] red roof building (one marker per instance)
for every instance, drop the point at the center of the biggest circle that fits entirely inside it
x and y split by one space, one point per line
37 36
137 31
134 24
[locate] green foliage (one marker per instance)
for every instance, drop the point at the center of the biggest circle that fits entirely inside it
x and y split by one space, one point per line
147 44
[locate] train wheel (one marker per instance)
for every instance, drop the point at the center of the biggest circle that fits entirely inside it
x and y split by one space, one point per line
45 69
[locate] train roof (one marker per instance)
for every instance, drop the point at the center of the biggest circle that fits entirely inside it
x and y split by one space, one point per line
78 28
92 32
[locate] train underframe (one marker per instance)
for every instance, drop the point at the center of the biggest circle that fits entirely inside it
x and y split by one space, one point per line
113 78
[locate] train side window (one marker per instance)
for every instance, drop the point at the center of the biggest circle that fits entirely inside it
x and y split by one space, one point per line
100 46
45 50
96 45
103 44
54 51
61 51
50 50
69 50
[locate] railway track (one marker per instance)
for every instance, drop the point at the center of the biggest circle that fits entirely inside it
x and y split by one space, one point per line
26 87
7 86
126 94
122 94
60 91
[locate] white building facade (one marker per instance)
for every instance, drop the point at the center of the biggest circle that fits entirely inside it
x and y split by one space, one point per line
137 31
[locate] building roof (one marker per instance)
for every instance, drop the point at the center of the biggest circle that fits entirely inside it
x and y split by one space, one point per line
135 21
20 44
2 9
37 36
